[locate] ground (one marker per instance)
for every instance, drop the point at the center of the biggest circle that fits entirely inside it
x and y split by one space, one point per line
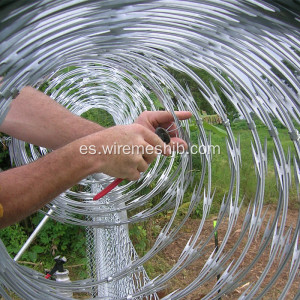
170 255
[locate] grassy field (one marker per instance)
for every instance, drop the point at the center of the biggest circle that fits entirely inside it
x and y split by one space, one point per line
248 180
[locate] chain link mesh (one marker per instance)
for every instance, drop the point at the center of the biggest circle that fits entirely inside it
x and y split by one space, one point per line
109 250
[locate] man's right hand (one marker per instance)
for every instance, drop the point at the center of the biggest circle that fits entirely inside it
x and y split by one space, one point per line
122 151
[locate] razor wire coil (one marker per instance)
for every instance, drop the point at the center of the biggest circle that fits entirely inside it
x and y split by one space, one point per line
119 54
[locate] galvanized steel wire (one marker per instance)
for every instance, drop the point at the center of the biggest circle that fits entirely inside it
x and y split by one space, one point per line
122 52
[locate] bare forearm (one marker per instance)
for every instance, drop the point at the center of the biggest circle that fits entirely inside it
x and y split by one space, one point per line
26 189
36 118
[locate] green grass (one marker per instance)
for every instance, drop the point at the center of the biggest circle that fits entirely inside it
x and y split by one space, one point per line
221 173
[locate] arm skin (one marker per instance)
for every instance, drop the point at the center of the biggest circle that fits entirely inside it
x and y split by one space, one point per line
38 119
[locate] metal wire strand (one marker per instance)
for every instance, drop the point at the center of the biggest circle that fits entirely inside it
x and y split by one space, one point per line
119 57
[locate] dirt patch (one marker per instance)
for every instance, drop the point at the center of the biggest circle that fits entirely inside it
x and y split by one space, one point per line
170 256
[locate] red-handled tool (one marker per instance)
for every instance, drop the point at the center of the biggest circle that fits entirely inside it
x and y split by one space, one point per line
163 134
108 188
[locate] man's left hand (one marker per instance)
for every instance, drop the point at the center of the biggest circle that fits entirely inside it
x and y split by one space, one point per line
164 119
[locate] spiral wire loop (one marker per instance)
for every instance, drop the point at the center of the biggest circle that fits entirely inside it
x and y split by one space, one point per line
115 55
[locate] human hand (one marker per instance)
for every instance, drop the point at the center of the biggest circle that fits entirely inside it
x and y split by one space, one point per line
123 151
164 119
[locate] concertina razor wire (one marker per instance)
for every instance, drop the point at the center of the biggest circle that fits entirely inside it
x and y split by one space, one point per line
114 56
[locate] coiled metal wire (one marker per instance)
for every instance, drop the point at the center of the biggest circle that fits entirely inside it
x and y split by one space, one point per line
114 56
